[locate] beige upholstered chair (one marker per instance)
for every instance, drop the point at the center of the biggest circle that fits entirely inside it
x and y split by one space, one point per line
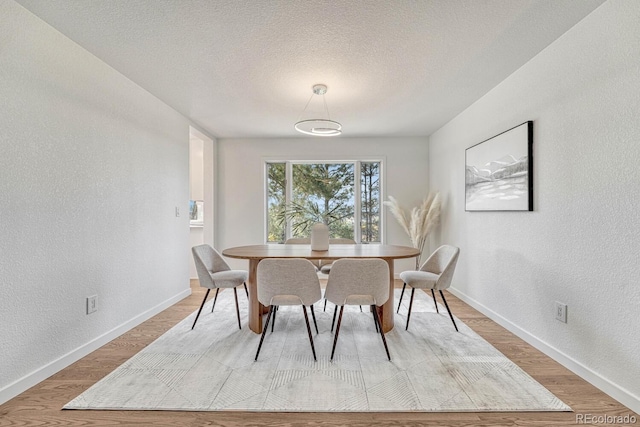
290 281
326 267
303 241
323 266
298 241
215 273
435 274
358 282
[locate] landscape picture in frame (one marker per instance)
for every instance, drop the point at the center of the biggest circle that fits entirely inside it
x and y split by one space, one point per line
499 170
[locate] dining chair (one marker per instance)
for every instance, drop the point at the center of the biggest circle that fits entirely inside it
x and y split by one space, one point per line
325 268
288 282
303 241
215 273
298 241
358 282
435 274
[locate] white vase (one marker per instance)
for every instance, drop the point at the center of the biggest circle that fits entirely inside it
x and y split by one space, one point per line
320 237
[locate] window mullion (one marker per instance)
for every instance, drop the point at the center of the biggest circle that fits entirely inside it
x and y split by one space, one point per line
357 214
288 185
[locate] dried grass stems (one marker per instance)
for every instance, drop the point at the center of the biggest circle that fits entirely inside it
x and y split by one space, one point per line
420 220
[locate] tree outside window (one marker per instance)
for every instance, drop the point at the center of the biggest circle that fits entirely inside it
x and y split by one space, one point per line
370 202
276 202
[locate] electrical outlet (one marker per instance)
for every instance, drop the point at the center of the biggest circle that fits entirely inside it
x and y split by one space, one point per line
92 304
561 312
177 211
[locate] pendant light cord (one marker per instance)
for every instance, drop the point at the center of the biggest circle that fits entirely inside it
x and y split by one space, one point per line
305 107
326 109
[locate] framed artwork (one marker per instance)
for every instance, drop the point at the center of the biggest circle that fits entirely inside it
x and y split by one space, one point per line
499 172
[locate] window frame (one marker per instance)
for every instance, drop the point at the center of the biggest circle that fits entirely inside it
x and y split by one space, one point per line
357 191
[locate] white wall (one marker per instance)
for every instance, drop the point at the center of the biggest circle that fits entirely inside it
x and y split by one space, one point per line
91 170
581 244
241 180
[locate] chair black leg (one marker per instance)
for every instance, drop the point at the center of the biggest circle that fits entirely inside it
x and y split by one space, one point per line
306 319
374 318
450 315
201 305
404 285
333 322
235 293
215 299
313 314
275 311
264 331
325 305
360 309
335 339
433 295
246 291
384 340
413 290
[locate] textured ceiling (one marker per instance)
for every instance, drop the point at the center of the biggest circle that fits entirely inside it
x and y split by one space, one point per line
246 68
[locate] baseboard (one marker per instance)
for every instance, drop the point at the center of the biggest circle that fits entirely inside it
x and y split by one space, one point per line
12 390
618 393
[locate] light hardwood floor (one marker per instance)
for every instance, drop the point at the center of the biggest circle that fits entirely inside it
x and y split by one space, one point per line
40 405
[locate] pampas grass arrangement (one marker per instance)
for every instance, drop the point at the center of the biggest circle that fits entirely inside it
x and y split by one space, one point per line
420 220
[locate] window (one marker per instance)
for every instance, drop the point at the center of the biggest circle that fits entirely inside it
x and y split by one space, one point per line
344 195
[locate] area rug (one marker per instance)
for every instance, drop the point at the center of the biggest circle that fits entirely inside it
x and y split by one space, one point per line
212 367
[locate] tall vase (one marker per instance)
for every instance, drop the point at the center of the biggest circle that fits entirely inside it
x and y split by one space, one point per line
320 237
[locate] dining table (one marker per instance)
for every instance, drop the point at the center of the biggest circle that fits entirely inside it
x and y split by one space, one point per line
256 253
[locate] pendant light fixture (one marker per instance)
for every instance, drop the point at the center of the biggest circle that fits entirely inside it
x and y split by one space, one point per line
318 127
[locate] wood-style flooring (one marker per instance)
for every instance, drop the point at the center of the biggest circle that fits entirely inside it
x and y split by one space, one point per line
41 405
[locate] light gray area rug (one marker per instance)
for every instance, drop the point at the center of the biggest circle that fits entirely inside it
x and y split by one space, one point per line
211 368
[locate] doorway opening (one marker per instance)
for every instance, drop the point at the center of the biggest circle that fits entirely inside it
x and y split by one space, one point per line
201 192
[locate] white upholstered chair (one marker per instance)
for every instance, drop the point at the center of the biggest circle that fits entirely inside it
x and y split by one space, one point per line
358 282
298 241
303 241
326 267
323 266
435 274
290 281
215 273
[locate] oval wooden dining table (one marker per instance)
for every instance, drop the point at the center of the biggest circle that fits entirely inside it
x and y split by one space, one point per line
256 253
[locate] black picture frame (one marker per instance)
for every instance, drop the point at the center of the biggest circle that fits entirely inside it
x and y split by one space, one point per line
499 172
